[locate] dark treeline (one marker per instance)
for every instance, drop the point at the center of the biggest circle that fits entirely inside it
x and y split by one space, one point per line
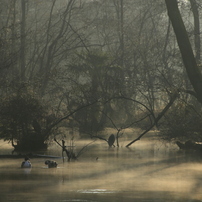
90 64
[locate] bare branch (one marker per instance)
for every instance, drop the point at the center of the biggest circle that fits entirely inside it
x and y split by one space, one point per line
173 98
67 116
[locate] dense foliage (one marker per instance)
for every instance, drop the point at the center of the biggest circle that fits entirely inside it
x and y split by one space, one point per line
22 118
182 122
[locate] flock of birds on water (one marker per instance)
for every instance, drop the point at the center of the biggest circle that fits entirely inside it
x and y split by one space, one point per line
27 164
52 164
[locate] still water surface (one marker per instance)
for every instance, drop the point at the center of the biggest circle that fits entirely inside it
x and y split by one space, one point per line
148 171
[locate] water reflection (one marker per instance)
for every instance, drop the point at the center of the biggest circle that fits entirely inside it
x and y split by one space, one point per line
148 171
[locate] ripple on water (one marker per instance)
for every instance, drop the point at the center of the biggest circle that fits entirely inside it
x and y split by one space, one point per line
95 191
80 200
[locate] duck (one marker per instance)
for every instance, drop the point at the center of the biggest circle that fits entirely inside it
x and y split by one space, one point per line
51 164
26 163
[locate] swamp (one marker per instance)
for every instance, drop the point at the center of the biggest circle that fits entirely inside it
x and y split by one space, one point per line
149 170
70 69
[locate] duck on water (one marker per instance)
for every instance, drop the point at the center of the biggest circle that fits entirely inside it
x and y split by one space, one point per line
51 164
26 163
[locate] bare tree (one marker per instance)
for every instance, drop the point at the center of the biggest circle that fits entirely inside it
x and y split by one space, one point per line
184 44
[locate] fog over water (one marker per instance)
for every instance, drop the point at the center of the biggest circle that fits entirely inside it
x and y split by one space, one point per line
147 171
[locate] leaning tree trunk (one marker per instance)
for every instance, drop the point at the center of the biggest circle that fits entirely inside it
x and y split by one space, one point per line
184 44
197 40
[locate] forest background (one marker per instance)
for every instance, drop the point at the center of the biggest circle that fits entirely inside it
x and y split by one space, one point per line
81 66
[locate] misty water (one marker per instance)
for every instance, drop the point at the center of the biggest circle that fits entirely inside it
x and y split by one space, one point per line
149 170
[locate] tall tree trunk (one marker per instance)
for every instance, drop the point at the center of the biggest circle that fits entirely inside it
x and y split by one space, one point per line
197 40
120 17
122 33
188 58
13 38
22 41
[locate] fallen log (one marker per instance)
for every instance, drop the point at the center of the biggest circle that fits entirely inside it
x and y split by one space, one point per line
14 156
190 145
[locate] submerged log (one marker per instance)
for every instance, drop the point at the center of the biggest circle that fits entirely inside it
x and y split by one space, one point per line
190 145
16 156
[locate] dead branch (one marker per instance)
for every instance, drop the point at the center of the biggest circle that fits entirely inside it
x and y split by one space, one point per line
82 149
67 116
156 120
69 154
